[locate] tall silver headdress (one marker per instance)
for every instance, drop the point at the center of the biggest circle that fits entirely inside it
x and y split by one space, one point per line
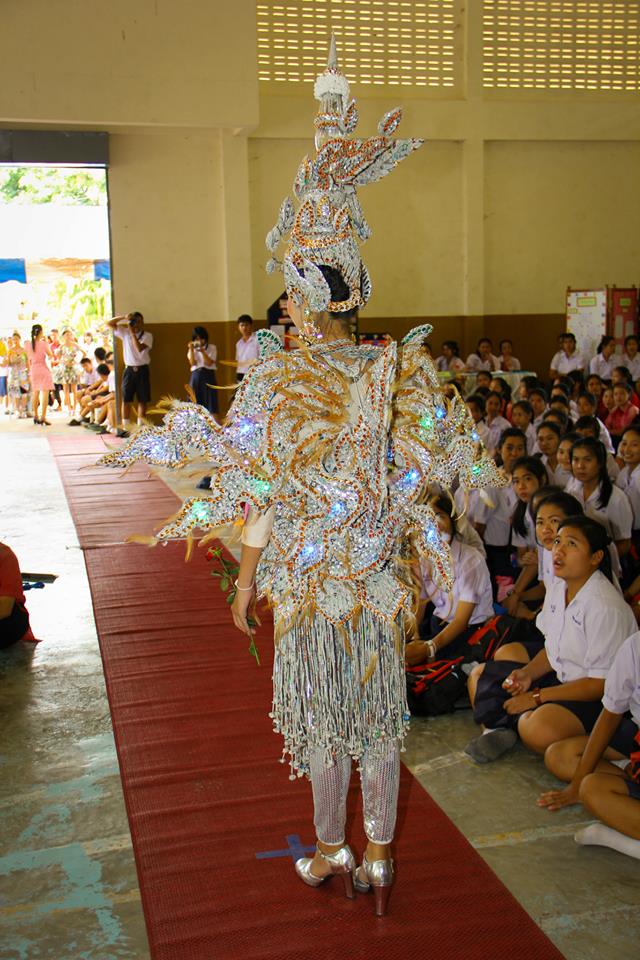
330 221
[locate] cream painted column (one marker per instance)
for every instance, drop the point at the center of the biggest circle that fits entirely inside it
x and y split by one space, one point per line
473 183
238 296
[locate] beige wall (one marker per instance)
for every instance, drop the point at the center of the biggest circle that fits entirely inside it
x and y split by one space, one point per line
557 215
166 200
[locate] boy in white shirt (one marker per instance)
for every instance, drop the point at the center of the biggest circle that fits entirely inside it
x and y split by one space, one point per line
136 349
247 349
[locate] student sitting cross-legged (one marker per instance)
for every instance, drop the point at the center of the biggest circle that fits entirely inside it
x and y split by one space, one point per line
584 620
594 767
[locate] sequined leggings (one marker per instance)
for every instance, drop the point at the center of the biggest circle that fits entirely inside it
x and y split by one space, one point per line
379 777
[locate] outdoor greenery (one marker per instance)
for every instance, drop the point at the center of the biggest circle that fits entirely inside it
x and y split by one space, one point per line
81 304
63 186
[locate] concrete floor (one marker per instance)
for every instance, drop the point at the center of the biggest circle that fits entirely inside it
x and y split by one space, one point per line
68 885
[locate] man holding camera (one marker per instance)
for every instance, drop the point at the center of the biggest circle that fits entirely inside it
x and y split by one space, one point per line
136 349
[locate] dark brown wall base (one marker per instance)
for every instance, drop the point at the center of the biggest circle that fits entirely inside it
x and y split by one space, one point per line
534 343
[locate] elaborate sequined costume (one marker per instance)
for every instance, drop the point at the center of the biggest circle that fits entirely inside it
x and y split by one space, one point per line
326 457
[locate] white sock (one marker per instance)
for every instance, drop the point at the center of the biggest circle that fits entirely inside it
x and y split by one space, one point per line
600 835
488 730
126 424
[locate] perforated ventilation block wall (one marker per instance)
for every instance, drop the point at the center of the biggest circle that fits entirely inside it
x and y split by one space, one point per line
379 42
561 45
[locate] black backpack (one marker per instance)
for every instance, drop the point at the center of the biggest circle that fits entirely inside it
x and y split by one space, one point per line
434 688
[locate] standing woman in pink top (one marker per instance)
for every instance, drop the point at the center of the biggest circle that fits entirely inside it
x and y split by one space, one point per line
39 373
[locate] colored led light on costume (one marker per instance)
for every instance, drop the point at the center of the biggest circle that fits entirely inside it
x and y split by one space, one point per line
476 468
474 435
200 511
261 486
440 413
409 479
432 535
338 509
245 426
426 422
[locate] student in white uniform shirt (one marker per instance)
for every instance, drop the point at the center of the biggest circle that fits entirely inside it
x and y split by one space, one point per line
522 418
483 358
507 360
562 473
538 399
490 509
202 358
629 477
548 437
450 359
566 359
496 424
247 349
592 486
550 510
605 359
594 766
475 406
528 477
458 614
136 349
631 357
588 407
588 427
585 621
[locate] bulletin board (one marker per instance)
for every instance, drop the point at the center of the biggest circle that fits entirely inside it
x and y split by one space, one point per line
587 318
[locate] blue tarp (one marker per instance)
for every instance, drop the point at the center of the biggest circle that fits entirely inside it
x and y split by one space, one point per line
13 270
102 270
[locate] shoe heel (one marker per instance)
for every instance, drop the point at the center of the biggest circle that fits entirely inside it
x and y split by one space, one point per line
349 889
381 895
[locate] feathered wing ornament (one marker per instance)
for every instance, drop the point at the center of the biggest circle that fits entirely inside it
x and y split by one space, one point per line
347 490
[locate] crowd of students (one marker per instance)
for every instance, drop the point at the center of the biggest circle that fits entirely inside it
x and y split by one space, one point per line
552 562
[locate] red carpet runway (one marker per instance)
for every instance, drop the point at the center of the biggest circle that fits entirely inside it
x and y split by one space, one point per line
215 821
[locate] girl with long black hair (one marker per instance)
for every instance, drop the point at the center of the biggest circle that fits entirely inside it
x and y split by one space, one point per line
202 357
601 501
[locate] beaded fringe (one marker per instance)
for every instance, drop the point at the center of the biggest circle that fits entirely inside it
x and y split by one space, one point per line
342 695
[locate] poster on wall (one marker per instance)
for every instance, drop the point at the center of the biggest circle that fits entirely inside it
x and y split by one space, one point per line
623 314
587 318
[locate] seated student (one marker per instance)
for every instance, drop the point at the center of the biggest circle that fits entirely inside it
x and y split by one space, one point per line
495 423
483 382
624 412
585 620
561 418
629 477
490 509
529 475
606 402
483 358
621 375
605 359
526 385
476 406
549 436
595 386
92 395
507 360
458 614
588 427
14 619
601 501
591 766
631 358
552 507
500 385
563 472
100 355
522 418
538 400
88 376
588 407
450 359
566 359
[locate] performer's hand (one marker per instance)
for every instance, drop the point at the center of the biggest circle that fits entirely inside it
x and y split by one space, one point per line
556 799
243 603
517 682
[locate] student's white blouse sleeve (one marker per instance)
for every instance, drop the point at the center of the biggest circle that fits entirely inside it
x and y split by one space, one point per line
212 353
555 360
470 580
624 677
606 629
620 515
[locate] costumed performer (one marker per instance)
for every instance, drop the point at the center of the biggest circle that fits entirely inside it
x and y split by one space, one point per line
327 453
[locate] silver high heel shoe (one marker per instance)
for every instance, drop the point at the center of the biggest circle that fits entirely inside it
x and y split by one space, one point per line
342 863
378 874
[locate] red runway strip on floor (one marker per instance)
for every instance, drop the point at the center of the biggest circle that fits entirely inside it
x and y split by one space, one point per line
213 815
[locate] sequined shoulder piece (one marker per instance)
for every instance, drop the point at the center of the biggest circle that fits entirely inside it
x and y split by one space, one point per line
268 342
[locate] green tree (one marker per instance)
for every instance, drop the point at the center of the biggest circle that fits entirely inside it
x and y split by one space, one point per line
65 186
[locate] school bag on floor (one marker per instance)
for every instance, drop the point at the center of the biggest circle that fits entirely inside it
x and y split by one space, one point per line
434 687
